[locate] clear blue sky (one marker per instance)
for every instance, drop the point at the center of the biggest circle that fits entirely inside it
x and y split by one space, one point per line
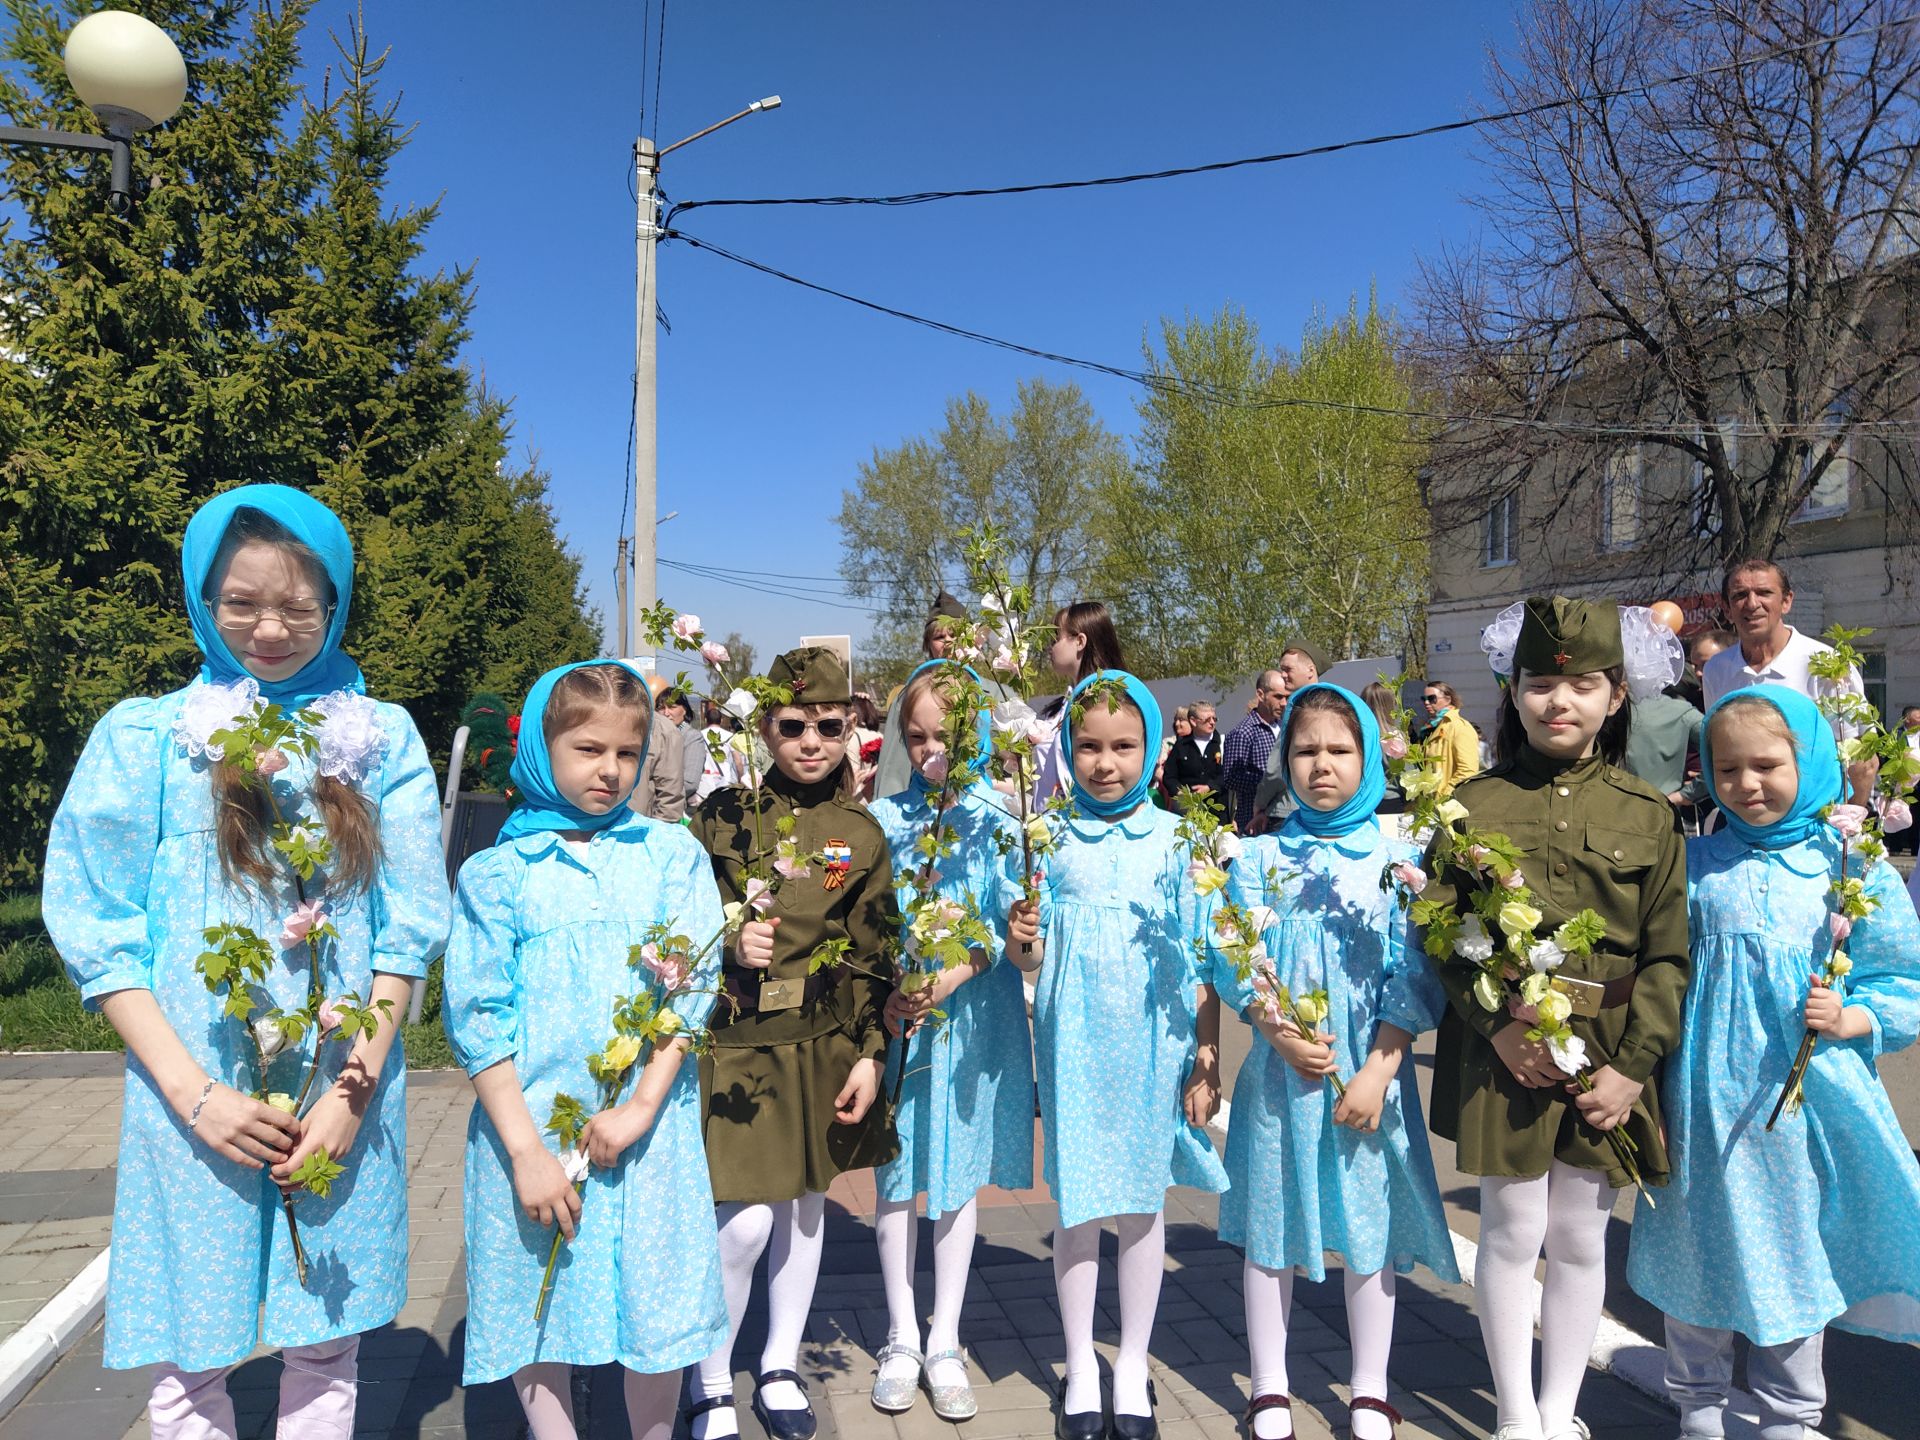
770 397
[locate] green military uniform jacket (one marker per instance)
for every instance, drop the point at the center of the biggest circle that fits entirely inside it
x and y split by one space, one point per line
769 1083
1594 837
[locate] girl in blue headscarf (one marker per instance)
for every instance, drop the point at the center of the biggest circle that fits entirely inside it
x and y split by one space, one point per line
162 835
1777 1234
1125 1038
539 956
1314 1173
965 1117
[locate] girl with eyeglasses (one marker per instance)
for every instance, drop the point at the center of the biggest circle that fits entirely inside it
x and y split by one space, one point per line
792 1083
162 835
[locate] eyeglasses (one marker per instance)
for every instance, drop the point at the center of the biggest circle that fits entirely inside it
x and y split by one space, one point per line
828 729
1433 699
300 617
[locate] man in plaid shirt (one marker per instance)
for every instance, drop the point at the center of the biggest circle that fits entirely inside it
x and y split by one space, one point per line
1243 756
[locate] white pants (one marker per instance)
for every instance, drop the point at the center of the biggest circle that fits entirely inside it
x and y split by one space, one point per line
1786 1379
318 1390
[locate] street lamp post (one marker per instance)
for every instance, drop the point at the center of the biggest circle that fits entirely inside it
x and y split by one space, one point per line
645 385
131 73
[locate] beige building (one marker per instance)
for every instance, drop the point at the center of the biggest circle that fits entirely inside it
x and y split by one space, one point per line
1633 521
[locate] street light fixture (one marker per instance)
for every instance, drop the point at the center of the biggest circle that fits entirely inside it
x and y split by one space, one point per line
645 452
131 73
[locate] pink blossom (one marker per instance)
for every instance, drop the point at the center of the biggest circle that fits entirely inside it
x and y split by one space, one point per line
307 917
1895 815
669 970
329 1017
791 867
1839 926
1005 661
759 895
269 762
1514 880
1411 876
933 769
1847 819
1266 996
1393 745
1478 855
685 627
714 653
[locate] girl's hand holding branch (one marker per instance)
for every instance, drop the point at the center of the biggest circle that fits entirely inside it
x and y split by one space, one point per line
611 1132
1366 1093
1609 1101
1829 1015
1528 1060
1311 1059
245 1130
755 948
333 1124
545 1193
1023 934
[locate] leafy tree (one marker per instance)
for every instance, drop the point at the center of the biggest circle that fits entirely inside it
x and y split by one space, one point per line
742 654
1034 473
1272 499
254 317
1717 272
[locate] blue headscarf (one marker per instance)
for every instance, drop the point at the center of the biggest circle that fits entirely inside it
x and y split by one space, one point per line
542 806
1149 711
314 526
1822 781
1359 807
916 782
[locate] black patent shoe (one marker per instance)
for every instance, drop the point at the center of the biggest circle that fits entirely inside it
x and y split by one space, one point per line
701 1407
1137 1427
784 1424
1082 1425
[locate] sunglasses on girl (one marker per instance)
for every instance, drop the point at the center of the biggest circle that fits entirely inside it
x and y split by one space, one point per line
831 728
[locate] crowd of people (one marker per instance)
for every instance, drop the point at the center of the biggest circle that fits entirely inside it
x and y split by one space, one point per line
679 1035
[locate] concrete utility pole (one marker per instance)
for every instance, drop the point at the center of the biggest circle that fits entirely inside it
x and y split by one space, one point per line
646 455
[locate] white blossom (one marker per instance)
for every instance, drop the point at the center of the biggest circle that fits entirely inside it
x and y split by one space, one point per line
207 708
351 740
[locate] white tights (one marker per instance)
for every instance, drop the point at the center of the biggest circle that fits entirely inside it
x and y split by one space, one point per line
1565 1211
1076 1275
652 1401
1370 1300
792 1233
896 1226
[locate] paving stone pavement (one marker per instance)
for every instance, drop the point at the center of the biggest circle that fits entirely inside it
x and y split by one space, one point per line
54 1208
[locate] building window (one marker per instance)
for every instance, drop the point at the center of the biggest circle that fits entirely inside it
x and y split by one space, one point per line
1873 675
1703 503
1497 531
1620 501
1832 492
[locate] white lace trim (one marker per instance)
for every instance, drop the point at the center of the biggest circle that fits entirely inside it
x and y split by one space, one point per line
208 708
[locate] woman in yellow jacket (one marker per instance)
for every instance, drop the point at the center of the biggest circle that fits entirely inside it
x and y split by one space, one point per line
1452 742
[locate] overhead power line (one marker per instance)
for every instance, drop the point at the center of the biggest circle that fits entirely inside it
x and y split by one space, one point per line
924 197
1213 395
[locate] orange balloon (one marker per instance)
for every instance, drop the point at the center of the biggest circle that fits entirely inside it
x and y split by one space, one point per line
1669 615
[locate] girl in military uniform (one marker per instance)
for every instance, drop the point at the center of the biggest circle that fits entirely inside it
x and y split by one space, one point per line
1592 837
1125 1040
792 1084
1777 1233
965 1115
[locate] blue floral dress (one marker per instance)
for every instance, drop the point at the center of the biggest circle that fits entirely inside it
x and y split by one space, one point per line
1113 1018
1777 1234
538 956
965 1117
1302 1185
133 877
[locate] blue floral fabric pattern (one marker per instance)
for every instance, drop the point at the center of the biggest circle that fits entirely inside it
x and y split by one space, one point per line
965 1117
1777 1234
133 877
1302 1185
538 956
1113 1018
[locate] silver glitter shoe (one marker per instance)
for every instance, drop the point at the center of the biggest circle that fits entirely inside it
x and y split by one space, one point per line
896 1396
950 1402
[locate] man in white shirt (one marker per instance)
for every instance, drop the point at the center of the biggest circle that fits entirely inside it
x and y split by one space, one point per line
1759 597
